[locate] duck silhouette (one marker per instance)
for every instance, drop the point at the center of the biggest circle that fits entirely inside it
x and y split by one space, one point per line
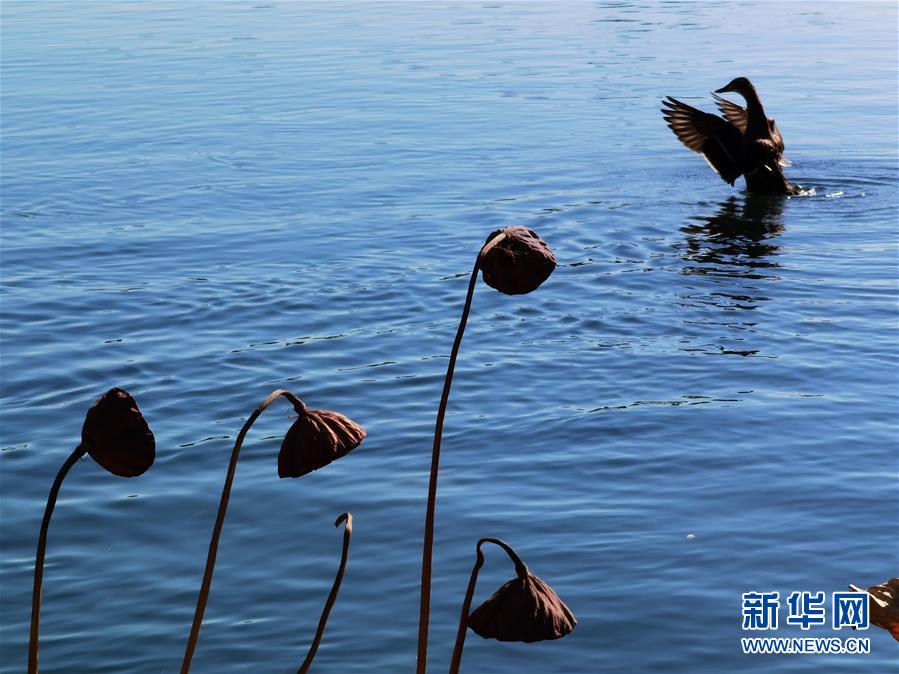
742 142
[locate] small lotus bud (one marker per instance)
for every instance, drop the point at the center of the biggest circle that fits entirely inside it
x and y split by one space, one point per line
518 263
315 439
524 609
117 436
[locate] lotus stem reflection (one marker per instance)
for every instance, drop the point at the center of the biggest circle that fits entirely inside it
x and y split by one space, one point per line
514 261
315 439
116 435
524 609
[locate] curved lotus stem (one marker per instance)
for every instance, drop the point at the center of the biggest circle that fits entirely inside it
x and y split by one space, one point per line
39 560
335 588
520 568
427 554
203 597
315 439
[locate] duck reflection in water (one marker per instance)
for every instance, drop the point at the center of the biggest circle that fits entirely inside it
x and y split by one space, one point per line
737 240
733 251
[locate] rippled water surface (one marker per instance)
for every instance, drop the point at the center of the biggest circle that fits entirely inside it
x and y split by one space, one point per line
205 202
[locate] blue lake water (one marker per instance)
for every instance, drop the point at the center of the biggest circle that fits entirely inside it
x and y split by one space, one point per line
203 202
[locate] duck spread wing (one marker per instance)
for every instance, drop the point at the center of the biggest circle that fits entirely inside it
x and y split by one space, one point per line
717 139
734 113
778 141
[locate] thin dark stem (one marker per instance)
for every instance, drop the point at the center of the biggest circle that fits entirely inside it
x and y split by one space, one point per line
220 520
39 559
466 609
520 568
428 548
332 597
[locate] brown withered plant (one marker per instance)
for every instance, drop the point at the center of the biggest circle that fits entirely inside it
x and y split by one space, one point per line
315 439
514 261
524 609
115 435
883 605
332 596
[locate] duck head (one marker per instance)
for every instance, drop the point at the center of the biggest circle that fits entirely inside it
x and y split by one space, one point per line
739 85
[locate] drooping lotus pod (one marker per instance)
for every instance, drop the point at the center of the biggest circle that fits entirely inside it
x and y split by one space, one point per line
117 436
316 438
518 263
524 609
883 605
514 261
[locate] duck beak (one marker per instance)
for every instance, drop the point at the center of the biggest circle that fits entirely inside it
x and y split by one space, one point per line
730 86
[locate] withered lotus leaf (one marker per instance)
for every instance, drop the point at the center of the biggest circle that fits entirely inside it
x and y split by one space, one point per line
315 439
517 264
117 436
524 609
